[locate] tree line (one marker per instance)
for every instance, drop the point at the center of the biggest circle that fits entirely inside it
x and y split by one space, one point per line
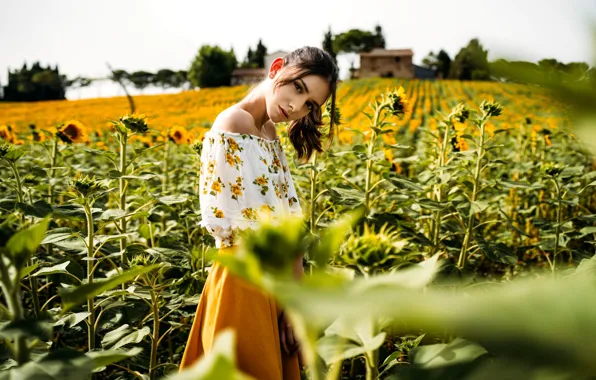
213 66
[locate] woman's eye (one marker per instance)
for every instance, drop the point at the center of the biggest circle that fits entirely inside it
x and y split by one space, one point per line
310 107
298 87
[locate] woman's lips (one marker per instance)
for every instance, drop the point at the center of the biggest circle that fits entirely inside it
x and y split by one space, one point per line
283 112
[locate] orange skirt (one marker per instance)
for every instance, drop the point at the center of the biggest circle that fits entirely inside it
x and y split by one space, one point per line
229 301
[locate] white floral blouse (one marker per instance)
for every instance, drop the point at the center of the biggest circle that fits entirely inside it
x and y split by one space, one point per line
242 177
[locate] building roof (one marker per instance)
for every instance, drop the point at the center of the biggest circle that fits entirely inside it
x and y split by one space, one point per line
387 53
248 72
277 52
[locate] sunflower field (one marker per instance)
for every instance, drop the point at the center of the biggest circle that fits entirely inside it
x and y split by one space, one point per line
448 233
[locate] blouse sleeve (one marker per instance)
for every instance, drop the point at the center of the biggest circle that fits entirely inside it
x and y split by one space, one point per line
242 179
221 188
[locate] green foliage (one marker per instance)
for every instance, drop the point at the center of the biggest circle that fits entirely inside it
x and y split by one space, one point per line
440 63
34 84
355 41
212 67
470 63
327 44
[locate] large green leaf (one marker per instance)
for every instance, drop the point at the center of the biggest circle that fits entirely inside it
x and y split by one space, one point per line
346 339
77 296
123 336
22 245
438 355
58 268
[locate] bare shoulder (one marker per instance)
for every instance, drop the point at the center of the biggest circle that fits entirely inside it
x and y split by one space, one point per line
234 120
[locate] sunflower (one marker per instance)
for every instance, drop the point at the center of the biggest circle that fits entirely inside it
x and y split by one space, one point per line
5 133
72 132
179 135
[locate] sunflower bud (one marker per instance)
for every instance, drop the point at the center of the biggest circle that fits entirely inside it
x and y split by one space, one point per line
551 169
327 113
86 186
134 122
460 113
397 101
5 149
197 147
491 108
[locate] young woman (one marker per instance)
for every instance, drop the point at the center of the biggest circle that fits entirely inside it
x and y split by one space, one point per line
244 174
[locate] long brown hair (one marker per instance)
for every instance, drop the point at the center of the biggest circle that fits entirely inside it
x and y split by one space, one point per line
305 133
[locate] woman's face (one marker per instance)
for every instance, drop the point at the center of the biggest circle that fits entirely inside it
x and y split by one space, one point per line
296 99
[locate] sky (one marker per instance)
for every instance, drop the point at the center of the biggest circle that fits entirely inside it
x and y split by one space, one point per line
81 36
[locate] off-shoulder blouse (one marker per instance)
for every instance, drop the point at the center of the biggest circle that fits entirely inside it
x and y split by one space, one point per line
243 177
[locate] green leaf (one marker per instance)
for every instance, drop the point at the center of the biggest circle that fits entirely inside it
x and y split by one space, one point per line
144 177
62 363
56 237
332 237
123 336
59 268
402 183
173 199
112 214
478 206
41 329
72 298
72 319
25 271
144 231
103 358
518 185
113 173
440 355
22 245
498 252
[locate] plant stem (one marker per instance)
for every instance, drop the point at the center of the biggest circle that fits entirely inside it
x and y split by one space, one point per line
439 191
558 229
122 185
155 341
90 262
463 257
369 161
32 280
13 300
313 187
164 186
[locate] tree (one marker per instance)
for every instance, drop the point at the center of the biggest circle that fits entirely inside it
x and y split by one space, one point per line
471 63
35 83
328 44
354 41
212 67
379 38
248 61
259 55
444 64
141 79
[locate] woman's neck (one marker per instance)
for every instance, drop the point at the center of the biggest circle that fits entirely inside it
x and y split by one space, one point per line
255 104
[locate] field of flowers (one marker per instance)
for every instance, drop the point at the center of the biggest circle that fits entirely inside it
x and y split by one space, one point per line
444 232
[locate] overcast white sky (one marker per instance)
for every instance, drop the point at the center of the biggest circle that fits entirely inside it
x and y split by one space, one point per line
82 35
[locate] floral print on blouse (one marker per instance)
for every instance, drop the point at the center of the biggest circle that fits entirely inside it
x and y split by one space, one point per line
242 178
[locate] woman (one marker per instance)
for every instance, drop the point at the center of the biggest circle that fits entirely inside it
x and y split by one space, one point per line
244 174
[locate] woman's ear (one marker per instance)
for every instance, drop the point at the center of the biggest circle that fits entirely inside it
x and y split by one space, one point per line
276 65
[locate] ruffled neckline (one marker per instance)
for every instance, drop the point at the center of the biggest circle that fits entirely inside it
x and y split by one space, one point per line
243 135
